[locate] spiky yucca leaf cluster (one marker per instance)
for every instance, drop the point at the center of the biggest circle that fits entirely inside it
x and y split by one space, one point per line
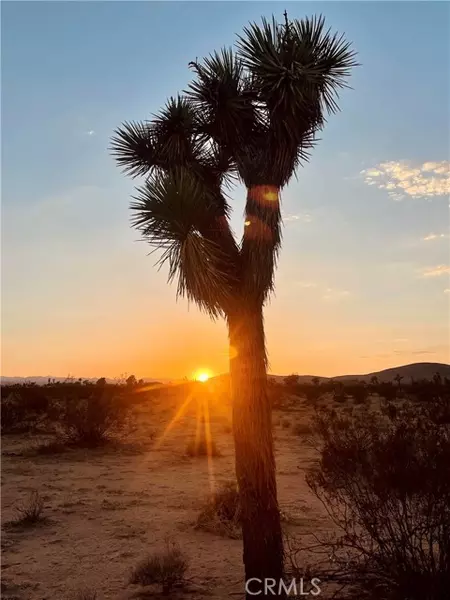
170 211
253 113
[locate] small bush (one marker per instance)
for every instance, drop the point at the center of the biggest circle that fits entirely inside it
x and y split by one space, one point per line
221 513
340 397
167 569
34 398
29 513
385 481
312 393
13 413
202 447
49 447
93 420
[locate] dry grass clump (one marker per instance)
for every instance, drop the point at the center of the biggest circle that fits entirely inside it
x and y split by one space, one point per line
166 569
202 447
221 513
29 512
49 447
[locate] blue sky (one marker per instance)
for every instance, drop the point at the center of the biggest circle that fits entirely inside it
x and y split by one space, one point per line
363 278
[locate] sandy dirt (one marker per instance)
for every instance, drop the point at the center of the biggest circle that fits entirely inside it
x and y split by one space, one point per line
108 508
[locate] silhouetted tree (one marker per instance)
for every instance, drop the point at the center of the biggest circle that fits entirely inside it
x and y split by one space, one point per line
252 114
398 378
131 381
101 381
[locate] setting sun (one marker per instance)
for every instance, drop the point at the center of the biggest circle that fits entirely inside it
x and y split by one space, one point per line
202 376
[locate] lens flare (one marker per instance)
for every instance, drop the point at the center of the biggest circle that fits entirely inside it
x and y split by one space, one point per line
202 376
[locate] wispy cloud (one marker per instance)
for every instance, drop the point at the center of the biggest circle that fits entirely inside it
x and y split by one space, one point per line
435 236
325 293
332 294
402 179
447 291
436 271
306 284
89 132
302 217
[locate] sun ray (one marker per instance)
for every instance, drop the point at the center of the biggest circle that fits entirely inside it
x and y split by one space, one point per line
198 430
159 386
177 417
208 437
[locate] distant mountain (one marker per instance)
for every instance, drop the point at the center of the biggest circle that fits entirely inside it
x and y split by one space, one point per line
43 380
414 371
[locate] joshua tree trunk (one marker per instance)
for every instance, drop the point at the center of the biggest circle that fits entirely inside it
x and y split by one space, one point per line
255 462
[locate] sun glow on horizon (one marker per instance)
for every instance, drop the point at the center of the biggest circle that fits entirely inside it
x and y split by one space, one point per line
202 375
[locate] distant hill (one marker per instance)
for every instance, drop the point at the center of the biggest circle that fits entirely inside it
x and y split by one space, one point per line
414 371
43 380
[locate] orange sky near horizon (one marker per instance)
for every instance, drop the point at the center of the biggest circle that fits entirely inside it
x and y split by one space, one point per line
177 342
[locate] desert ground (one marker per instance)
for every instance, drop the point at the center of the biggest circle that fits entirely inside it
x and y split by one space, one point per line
105 509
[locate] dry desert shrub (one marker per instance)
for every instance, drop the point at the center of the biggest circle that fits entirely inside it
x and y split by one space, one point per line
221 513
29 512
49 447
166 569
13 413
384 480
93 420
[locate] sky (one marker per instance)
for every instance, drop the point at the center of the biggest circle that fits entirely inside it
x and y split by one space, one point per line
363 278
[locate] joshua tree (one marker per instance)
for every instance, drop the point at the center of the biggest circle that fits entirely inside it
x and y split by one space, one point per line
398 378
252 114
